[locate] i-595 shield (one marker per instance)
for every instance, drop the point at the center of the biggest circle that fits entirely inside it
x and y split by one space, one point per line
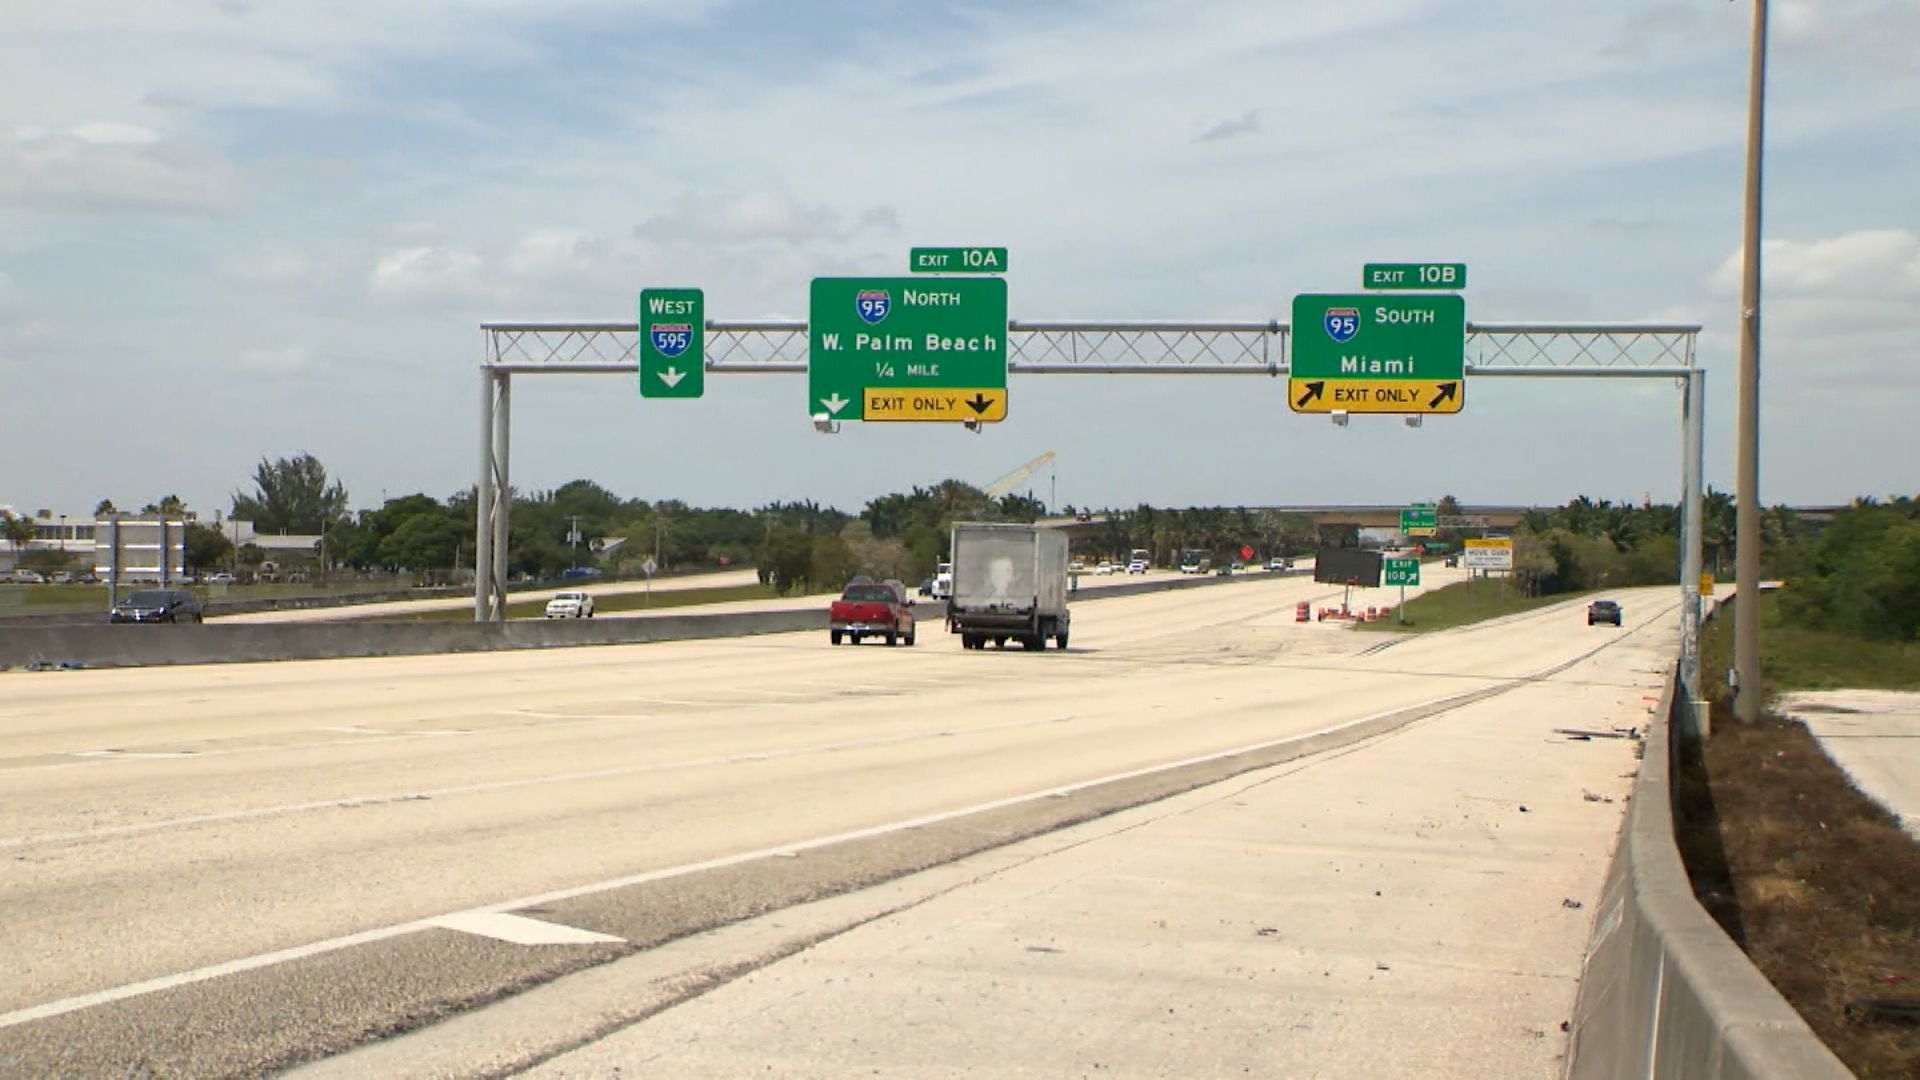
672 339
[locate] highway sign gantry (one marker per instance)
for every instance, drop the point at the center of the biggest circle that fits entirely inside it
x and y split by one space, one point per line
1430 277
957 260
889 348
1402 572
673 343
1367 353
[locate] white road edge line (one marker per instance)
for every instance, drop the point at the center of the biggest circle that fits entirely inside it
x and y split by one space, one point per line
317 948
520 930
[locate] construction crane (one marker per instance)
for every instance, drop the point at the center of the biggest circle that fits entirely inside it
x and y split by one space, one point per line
999 488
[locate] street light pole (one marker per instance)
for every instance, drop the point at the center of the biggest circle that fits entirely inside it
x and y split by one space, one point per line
1746 563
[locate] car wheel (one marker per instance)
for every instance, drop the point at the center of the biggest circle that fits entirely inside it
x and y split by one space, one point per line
909 639
833 636
892 639
1060 641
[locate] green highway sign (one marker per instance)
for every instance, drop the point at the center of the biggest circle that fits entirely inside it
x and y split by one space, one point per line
1431 277
958 260
1400 572
1419 516
673 343
881 348
1367 353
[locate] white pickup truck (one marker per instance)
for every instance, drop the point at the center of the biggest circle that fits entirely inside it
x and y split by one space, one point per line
570 605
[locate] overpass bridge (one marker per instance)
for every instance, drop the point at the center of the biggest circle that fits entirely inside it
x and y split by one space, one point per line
1361 516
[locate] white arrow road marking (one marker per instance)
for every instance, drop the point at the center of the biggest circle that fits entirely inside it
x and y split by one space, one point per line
835 403
672 377
519 930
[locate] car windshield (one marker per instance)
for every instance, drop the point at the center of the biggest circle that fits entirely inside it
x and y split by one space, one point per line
147 598
570 596
873 594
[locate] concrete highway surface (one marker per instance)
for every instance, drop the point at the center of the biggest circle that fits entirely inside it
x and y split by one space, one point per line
232 869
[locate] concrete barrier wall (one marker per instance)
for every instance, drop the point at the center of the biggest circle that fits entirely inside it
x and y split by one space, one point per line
1666 993
135 646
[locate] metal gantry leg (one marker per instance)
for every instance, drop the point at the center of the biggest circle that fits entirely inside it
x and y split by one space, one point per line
492 499
483 508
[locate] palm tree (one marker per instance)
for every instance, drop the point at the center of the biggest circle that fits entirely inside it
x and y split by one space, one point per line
18 530
1718 526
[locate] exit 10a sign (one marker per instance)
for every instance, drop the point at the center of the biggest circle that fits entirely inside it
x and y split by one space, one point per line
958 260
1436 277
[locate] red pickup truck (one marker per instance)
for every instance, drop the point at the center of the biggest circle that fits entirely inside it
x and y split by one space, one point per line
872 609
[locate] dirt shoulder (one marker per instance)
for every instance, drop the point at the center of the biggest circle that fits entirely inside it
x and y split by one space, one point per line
1816 881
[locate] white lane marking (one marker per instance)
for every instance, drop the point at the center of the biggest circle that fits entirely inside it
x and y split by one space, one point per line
359 801
536 714
133 755
520 930
789 850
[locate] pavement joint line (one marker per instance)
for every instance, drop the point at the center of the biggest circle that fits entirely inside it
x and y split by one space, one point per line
1407 714
361 801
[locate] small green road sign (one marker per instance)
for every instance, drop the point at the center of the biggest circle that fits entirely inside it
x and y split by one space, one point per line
958 260
673 343
1367 353
1428 277
1400 572
1418 516
907 349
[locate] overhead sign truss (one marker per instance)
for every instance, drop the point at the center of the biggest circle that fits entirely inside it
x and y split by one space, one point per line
1176 348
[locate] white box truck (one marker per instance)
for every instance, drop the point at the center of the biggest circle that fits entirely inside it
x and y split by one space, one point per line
1009 584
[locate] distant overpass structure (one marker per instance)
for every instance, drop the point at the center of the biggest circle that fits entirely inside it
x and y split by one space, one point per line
1498 518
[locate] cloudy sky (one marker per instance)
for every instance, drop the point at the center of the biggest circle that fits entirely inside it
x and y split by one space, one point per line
231 229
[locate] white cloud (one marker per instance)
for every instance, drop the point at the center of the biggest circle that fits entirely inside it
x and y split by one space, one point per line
1838 313
109 133
554 253
427 273
271 269
1876 263
758 217
110 167
275 361
1246 123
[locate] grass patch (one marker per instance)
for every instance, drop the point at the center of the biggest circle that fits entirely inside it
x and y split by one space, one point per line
605 605
1799 658
1815 881
1463 604
21 599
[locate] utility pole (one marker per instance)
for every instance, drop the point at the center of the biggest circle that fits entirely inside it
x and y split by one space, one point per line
1746 557
573 537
